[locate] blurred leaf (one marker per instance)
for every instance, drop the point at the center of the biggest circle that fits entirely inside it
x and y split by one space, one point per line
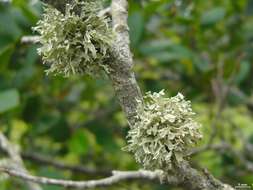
18 129
166 56
9 26
32 55
5 55
32 108
136 25
212 162
243 72
5 41
9 99
155 46
213 16
121 119
165 51
201 64
28 12
249 9
60 124
105 138
80 142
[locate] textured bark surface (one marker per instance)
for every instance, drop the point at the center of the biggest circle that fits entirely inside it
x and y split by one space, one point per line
122 76
196 180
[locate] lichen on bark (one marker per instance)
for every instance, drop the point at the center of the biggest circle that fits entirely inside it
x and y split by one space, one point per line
164 130
75 43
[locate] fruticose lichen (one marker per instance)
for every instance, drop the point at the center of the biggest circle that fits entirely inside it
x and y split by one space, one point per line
164 130
75 43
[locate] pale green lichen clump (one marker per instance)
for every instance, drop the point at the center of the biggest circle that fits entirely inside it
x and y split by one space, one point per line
75 43
164 130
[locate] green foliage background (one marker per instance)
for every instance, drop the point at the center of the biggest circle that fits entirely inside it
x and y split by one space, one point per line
195 47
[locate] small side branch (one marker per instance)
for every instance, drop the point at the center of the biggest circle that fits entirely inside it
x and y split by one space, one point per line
17 162
63 166
118 176
30 39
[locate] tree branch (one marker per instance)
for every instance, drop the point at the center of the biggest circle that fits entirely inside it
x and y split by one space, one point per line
80 169
195 180
122 76
118 176
127 91
17 161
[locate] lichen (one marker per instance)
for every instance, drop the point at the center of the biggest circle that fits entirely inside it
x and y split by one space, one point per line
164 131
75 43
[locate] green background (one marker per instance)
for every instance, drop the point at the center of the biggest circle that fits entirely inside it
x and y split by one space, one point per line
199 48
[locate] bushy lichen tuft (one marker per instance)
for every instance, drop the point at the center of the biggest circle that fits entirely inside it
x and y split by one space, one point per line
164 130
74 43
